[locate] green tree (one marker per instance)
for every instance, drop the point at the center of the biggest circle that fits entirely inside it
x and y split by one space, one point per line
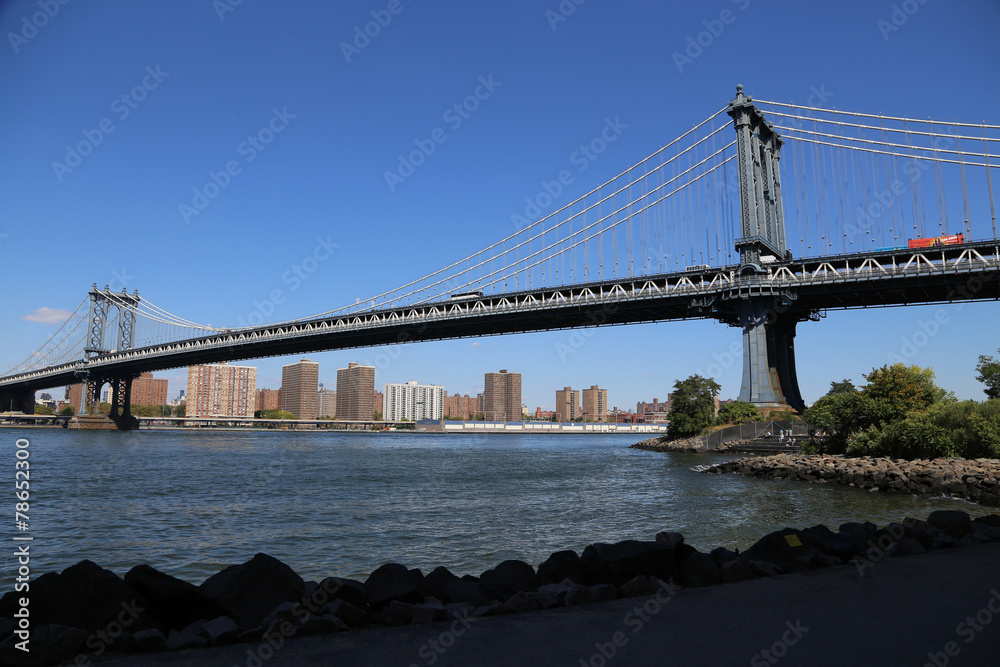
738 412
988 372
67 411
180 410
377 417
845 386
692 406
43 409
865 421
896 390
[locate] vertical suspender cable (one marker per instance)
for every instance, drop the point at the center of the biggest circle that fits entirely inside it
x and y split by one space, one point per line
965 193
989 182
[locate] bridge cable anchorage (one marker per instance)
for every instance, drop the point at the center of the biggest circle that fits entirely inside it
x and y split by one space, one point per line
390 297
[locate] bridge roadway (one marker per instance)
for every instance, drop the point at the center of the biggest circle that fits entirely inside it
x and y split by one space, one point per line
800 287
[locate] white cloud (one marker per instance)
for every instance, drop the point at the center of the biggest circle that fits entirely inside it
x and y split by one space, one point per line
47 315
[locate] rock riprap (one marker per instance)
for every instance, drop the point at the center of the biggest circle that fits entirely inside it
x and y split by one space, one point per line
661 444
977 480
86 612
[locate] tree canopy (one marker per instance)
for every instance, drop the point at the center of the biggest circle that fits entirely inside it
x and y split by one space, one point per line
845 386
902 413
988 372
692 406
738 412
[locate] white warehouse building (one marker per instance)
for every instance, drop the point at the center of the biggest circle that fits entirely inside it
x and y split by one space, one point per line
413 401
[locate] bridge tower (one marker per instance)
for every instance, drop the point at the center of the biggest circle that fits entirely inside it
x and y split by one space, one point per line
766 313
101 303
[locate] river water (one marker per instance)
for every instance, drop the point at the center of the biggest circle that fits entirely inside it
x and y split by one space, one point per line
341 504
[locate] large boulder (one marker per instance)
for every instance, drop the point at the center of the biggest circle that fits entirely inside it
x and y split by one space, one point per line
393 581
955 523
623 561
434 582
178 603
84 596
508 578
250 591
560 566
348 590
841 546
781 547
697 570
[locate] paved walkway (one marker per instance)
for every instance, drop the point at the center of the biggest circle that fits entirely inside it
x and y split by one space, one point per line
904 611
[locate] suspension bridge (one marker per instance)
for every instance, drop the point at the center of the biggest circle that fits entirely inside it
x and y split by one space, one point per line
804 210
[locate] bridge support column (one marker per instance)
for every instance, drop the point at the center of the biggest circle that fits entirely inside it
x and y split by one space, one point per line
17 401
121 404
769 379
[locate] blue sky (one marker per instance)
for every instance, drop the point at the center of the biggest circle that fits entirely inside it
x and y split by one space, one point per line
210 75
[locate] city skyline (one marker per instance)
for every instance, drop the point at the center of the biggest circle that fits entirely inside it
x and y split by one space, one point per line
312 223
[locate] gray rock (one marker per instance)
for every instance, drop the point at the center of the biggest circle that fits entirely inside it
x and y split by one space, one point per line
670 539
698 570
189 637
602 592
393 581
507 579
57 641
560 566
735 570
345 611
398 613
491 609
579 594
905 547
149 640
551 595
781 546
762 568
635 587
250 591
623 561
83 596
338 588
943 541
177 602
428 613
955 523
283 612
520 601
221 631
433 584
309 588
722 555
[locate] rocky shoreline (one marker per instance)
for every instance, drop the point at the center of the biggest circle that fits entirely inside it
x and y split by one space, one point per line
661 444
975 480
86 612
696 445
